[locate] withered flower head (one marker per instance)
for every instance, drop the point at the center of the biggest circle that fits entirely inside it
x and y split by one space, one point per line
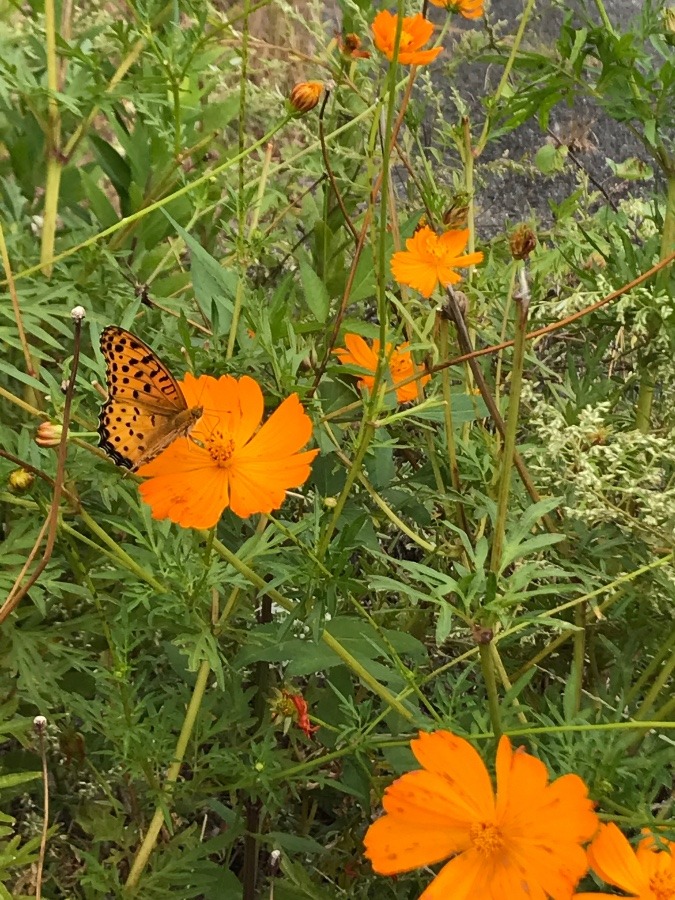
306 95
457 214
351 46
522 242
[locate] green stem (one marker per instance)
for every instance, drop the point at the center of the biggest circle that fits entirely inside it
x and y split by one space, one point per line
159 204
53 144
365 438
353 664
117 551
449 424
643 407
239 295
488 669
152 833
494 100
510 436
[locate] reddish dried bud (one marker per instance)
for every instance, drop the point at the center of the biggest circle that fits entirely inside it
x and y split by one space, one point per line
48 434
306 95
522 242
351 46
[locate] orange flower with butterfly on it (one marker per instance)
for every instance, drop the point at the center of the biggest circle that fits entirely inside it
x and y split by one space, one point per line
430 259
400 365
199 442
520 843
645 873
415 33
469 9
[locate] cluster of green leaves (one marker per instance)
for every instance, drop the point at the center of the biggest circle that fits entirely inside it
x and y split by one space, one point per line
174 223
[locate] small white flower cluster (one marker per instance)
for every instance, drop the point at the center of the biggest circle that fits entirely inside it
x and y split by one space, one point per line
641 214
624 477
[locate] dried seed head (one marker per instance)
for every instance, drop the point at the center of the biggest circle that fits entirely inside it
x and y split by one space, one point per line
522 242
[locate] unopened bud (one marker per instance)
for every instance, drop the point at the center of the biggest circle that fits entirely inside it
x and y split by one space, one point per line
48 434
669 24
78 313
522 242
20 480
39 723
306 95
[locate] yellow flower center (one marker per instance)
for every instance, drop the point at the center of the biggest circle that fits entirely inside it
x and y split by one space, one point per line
406 40
220 447
486 838
662 885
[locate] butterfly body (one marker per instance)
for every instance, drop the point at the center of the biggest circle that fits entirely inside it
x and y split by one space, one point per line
145 410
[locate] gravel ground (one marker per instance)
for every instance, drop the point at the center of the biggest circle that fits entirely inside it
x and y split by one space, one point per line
510 198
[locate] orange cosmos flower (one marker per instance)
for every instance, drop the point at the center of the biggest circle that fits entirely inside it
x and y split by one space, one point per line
522 844
647 873
401 365
415 32
229 460
470 9
429 259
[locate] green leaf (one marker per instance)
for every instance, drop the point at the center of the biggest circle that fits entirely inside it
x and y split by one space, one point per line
15 778
214 286
316 295
551 159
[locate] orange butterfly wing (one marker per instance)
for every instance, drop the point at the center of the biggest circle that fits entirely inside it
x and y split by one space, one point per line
145 410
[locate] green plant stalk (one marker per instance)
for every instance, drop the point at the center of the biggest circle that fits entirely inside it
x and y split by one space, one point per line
505 680
487 666
657 686
365 437
150 839
665 650
505 322
53 144
509 437
494 100
159 204
447 418
403 670
394 519
117 551
239 295
382 274
643 408
353 664
202 179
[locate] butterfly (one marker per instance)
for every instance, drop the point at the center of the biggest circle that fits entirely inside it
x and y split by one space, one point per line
145 410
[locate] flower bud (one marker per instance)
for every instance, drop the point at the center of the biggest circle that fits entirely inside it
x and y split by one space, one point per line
48 434
306 95
669 24
20 480
78 313
522 242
